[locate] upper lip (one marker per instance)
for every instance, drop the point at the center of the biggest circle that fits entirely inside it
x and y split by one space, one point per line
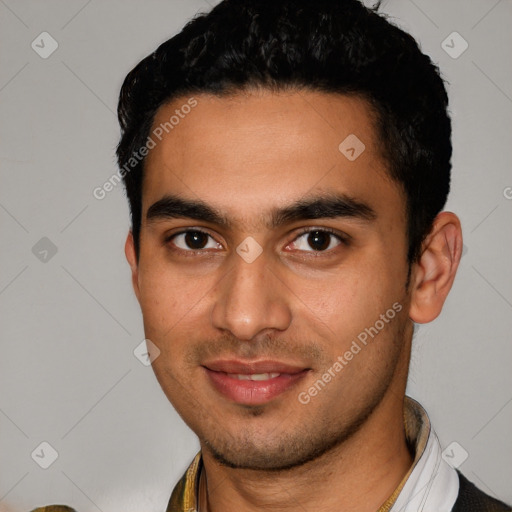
252 367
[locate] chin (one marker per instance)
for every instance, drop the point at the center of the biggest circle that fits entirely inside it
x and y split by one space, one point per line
281 454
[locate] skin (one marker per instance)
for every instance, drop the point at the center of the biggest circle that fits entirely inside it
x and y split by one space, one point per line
245 155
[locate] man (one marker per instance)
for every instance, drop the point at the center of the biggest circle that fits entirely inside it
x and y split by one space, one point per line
286 234
286 164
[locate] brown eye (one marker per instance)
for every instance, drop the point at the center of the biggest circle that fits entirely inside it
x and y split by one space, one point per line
317 240
196 239
193 240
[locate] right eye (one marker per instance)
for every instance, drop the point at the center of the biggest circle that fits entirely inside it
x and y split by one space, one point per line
193 240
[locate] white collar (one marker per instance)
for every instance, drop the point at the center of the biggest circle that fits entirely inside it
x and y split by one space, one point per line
432 485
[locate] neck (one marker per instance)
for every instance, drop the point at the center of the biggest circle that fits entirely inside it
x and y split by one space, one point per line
359 474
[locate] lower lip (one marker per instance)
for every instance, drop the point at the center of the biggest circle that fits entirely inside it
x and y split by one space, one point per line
253 392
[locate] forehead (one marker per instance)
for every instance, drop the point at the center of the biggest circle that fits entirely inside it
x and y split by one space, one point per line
255 150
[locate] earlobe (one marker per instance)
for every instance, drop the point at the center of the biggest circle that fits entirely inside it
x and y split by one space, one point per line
435 272
129 250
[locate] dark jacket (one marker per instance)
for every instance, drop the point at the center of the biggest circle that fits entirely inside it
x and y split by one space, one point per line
472 499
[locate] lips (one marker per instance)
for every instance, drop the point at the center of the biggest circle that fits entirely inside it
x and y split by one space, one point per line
253 383
247 368
254 376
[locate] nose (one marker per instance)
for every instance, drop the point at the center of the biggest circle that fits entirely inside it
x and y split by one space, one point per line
251 299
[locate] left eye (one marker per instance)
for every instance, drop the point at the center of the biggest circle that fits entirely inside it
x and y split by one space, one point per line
317 240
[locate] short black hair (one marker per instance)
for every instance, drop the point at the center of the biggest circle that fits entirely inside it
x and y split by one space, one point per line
333 46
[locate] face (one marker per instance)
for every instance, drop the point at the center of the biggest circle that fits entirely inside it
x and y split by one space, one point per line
272 273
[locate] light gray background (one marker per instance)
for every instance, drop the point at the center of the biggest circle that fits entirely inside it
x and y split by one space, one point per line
69 325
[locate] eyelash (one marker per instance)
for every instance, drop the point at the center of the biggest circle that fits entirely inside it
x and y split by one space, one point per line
343 239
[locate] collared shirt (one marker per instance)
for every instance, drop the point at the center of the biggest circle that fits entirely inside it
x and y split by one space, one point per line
431 484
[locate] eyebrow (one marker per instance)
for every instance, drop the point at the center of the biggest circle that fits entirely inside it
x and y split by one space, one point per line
317 207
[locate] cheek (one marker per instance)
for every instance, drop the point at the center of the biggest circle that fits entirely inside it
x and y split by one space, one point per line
166 298
351 301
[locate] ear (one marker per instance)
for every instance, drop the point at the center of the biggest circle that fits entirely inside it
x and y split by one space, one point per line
435 272
129 250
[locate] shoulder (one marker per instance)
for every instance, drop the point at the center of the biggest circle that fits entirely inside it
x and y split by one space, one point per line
471 498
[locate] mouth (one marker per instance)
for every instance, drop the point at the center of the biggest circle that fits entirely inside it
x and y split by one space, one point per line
253 383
